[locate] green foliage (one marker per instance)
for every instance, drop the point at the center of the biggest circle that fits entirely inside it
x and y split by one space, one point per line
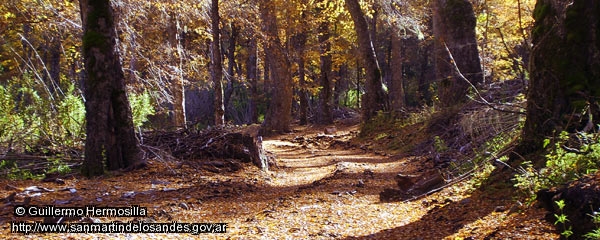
382 121
595 234
562 219
350 98
439 144
563 163
58 166
32 122
141 108
11 171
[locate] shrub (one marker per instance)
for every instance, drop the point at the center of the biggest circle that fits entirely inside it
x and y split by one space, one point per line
564 163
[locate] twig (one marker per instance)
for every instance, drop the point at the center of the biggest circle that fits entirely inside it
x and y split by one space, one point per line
159 156
483 100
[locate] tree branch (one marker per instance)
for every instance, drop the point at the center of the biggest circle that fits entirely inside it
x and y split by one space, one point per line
483 100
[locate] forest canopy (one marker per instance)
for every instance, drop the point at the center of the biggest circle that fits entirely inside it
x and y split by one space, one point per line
165 51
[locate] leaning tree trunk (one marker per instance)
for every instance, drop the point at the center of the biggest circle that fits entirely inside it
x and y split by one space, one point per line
109 125
454 30
374 99
564 69
279 114
217 66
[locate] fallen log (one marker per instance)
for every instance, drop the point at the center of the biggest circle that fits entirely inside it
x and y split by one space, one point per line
582 201
240 144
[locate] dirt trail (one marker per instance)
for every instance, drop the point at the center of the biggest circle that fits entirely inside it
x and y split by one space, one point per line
331 187
323 188
308 155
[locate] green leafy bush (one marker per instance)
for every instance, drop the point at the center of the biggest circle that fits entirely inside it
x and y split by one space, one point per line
141 107
596 233
34 120
564 163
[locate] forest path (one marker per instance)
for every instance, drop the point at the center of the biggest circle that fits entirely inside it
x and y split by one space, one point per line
330 186
326 186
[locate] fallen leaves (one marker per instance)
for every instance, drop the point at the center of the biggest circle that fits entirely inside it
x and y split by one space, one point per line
320 191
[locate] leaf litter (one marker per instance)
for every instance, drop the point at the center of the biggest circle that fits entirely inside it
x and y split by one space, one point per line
324 187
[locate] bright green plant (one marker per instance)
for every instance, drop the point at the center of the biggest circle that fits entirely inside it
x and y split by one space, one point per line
562 219
595 234
141 107
350 98
58 166
10 170
563 163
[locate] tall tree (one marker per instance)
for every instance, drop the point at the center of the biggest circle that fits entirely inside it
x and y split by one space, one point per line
279 114
217 65
177 86
299 43
454 31
251 75
325 79
396 79
110 132
374 98
231 79
565 70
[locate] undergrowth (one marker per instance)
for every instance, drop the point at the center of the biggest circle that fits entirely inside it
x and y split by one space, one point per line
563 163
37 121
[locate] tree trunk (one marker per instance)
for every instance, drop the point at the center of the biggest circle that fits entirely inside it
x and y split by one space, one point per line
109 125
325 115
279 114
374 99
299 42
454 27
217 67
176 75
230 66
397 80
251 75
54 64
564 70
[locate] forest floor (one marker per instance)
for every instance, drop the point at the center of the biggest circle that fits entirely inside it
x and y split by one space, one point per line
325 186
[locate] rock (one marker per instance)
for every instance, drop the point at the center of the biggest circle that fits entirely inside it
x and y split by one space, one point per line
330 130
427 182
405 182
500 209
392 195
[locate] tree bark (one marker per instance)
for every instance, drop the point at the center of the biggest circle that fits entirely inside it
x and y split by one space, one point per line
217 65
251 75
230 66
454 27
299 42
279 113
325 96
374 98
176 75
565 71
110 134
397 80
